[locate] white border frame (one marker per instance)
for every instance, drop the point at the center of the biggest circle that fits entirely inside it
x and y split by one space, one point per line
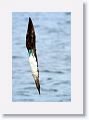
76 104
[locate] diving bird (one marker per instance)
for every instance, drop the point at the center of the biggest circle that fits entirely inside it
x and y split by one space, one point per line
31 47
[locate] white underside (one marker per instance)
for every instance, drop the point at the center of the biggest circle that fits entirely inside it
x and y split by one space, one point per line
33 64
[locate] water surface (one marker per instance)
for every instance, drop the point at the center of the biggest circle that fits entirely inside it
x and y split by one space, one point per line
53 42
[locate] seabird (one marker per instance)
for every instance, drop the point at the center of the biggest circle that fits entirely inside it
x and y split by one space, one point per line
31 47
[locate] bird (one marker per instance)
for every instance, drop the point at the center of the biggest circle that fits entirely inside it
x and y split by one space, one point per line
31 48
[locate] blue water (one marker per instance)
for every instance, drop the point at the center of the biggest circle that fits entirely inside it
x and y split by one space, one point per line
53 42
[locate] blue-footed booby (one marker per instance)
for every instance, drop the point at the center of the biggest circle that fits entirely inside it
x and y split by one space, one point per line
31 47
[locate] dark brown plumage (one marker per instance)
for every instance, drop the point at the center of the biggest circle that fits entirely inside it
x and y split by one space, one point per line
31 46
31 38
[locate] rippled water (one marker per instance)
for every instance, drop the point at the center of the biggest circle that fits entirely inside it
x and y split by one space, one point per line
53 41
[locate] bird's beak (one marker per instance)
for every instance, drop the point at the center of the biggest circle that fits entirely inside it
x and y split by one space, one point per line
37 85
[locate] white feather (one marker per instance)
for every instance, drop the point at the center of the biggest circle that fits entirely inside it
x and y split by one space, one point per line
33 64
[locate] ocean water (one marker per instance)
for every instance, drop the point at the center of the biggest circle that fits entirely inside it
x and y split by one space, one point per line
53 43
